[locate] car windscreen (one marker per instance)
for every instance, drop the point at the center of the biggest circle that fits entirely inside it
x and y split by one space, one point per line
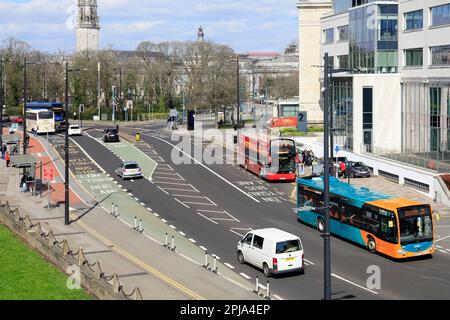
288 246
45 115
131 166
112 131
75 127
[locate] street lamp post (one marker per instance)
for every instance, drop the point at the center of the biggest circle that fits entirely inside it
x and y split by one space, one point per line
66 151
326 234
114 104
66 147
2 101
25 106
238 92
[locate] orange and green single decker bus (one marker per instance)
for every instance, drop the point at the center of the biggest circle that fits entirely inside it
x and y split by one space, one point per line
398 228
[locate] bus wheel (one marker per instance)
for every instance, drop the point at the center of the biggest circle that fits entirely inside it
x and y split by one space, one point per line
320 225
371 245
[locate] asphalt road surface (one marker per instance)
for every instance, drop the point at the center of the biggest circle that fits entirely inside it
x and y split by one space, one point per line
218 204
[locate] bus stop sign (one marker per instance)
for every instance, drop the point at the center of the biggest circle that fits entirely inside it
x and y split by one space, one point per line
302 124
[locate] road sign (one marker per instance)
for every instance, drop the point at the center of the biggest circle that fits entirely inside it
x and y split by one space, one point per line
81 109
302 124
337 148
49 173
130 104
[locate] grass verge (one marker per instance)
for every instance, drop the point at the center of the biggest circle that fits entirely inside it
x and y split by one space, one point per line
25 275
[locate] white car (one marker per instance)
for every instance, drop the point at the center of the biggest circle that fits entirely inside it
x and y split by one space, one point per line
74 130
273 250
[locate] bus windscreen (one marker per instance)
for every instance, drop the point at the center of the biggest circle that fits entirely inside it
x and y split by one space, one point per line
416 224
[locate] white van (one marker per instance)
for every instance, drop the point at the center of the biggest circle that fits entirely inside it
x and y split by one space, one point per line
272 250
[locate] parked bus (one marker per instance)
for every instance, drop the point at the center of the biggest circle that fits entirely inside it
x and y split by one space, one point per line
56 107
42 121
398 228
270 159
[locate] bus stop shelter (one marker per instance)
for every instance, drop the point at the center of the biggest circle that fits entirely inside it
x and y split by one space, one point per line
28 163
12 143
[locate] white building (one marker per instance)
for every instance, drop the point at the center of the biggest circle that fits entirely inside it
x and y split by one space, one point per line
309 14
393 98
88 26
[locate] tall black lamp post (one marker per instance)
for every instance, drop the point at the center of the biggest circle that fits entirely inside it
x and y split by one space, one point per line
2 100
326 233
66 146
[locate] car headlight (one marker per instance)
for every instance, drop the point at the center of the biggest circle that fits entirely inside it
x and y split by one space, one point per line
402 252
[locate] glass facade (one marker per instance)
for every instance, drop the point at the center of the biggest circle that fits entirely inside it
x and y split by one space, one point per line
414 20
440 55
440 15
328 35
343 62
341 5
343 111
343 33
373 38
426 123
414 57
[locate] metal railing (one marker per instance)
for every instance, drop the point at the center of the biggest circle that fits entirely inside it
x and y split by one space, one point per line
431 161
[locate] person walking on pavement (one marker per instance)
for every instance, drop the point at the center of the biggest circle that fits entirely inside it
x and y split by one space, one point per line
343 168
7 159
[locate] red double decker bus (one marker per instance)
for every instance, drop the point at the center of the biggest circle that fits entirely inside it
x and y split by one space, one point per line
270 159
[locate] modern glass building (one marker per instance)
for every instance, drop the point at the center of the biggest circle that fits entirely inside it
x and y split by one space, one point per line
373 38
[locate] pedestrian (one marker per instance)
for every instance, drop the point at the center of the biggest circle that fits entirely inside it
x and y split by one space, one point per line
7 158
343 168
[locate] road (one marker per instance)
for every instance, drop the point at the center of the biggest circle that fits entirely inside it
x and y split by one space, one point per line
217 204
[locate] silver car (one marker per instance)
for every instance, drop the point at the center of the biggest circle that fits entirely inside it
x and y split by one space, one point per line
129 170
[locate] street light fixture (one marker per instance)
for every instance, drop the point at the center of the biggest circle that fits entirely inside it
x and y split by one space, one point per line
66 146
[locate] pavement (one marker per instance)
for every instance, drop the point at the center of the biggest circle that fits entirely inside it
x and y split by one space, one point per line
138 258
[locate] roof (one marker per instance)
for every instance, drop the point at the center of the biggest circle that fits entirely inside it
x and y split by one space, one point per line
129 162
10 138
356 196
274 234
264 54
23 161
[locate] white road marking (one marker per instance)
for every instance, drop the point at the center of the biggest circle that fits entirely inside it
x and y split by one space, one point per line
211 201
207 218
137 199
182 233
130 194
142 204
229 265
245 276
442 238
201 203
186 196
149 209
310 262
156 215
278 297
163 190
192 240
357 285
168 173
166 178
173 184
439 247
213 172
173 227
174 189
182 203
163 220
203 248
442 251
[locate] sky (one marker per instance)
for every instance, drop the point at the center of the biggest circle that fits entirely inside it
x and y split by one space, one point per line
245 25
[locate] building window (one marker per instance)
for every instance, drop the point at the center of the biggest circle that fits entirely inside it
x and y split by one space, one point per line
343 62
328 35
435 118
440 15
367 117
343 33
414 57
414 20
440 55
387 28
387 61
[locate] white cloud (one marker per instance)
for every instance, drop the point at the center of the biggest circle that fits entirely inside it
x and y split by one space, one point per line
246 25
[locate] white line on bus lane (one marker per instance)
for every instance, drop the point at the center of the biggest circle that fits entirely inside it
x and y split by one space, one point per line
352 283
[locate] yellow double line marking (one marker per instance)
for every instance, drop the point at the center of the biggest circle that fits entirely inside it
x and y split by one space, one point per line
140 263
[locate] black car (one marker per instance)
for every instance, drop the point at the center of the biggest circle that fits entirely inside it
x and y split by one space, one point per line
357 170
111 135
